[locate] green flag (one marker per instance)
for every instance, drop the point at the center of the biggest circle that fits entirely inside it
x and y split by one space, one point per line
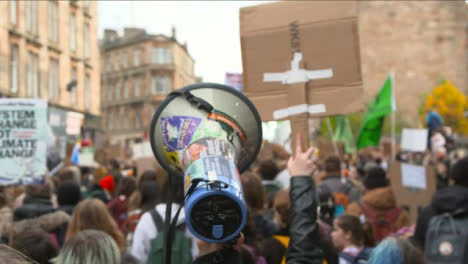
343 133
371 128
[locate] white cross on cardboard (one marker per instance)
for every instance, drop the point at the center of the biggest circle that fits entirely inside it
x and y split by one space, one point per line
298 110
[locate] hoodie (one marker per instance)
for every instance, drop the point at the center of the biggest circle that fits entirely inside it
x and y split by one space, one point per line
446 200
146 231
380 199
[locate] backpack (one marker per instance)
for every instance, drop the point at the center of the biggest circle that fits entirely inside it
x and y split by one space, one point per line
284 240
181 245
326 209
130 224
360 258
382 222
447 238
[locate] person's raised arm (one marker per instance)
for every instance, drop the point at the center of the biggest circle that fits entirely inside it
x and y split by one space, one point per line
303 230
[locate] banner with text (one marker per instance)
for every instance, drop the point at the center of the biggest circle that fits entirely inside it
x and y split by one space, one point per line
23 141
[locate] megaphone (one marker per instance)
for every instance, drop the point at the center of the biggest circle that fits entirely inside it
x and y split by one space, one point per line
209 134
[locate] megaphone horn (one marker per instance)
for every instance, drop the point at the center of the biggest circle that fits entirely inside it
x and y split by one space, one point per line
208 134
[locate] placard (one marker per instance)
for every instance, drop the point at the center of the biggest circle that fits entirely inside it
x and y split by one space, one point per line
412 199
413 176
142 150
316 43
414 140
23 141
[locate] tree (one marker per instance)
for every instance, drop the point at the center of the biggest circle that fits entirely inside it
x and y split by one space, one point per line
451 104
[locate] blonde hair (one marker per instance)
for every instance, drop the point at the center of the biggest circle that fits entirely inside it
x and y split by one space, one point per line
93 214
90 247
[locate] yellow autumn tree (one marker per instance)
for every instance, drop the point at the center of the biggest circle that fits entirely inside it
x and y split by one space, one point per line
451 104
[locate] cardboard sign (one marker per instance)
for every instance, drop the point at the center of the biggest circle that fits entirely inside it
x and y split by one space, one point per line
312 44
144 164
413 176
327 149
411 198
414 140
23 141
142 150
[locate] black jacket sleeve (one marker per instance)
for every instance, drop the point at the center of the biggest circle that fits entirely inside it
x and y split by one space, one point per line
304 231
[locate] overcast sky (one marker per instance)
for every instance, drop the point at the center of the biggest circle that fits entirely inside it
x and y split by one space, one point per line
211 29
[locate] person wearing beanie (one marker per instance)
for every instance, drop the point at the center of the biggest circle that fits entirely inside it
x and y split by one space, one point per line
446 200
68 196
379 197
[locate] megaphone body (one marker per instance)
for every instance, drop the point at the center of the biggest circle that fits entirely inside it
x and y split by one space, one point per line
208 134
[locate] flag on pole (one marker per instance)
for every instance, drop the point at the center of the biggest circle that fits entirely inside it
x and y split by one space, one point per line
371 128
343 133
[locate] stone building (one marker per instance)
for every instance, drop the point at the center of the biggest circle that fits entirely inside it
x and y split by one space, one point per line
49 50
423 42
138 71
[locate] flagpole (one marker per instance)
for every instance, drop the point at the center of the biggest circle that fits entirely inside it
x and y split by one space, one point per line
335 148
392 158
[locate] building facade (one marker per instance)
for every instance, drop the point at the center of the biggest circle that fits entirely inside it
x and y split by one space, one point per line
49 50
138 71
422 42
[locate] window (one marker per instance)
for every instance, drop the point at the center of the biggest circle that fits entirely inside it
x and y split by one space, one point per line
136 58
14 69
75 88
32 78
109 92
117 91
117 120
53 89
137 119
86 40
125 60
126 91
108 64
109 121
31 16
137 86
161 85
13 10
116 62
87 92
161 56
126 120
73 32
53 21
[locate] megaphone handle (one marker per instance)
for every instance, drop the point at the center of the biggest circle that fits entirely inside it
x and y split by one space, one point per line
167 224
300 125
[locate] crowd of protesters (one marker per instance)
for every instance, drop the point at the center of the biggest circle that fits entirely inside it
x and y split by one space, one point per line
329 210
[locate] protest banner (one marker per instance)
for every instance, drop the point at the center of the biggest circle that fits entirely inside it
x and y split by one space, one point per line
414 140
320 42
23 141
413 186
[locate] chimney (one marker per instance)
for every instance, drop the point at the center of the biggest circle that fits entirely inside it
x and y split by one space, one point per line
110 35
185 45
132 32
173 32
